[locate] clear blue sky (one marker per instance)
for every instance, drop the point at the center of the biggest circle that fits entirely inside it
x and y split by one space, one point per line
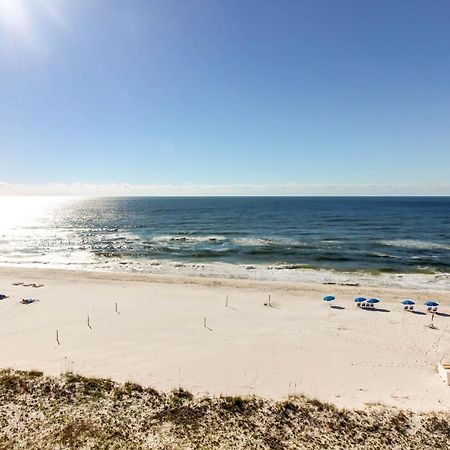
225 92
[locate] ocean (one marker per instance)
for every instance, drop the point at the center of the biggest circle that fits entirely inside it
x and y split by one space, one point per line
230 236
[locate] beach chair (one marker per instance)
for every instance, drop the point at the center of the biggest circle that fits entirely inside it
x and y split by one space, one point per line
429 309
411 307
434 309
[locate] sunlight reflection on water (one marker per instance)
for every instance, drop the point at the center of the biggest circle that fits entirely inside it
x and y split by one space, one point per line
29 212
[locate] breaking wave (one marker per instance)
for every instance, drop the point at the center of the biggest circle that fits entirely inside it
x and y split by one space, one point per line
414 244
283 234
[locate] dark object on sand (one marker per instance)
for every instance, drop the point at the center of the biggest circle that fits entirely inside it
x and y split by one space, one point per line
372 302
431 306
27 301
408 304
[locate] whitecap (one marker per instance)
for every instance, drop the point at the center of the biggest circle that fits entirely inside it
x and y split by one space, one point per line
163 239
257 242
415 244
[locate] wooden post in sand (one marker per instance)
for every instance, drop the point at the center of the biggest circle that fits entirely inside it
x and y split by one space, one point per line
117 309
226 301
206 326
88 322
57 337
270 304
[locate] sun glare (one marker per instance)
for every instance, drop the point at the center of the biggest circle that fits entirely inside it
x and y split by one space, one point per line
23 22
27 211
15 19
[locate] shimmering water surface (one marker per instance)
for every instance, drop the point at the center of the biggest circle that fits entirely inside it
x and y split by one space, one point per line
142 234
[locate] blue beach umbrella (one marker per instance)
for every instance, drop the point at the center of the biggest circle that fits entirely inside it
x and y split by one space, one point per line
373 300
408 302
329 298
431 303
360 299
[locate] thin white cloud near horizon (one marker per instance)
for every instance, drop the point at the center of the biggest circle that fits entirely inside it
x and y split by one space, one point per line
289 189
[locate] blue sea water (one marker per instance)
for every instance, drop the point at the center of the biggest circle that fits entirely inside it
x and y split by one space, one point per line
376 234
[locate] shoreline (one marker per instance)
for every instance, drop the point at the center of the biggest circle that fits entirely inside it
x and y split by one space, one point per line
299 346
222 272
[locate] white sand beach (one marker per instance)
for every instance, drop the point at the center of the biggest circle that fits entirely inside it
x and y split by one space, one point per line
299 345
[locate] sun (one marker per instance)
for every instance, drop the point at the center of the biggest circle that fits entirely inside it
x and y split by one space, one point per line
15 19
23 23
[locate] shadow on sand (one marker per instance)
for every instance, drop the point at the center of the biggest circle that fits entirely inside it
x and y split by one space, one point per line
336 307
231 307
442 314
272 305
376 309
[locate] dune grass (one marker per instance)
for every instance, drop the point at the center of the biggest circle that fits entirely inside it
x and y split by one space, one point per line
77 412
